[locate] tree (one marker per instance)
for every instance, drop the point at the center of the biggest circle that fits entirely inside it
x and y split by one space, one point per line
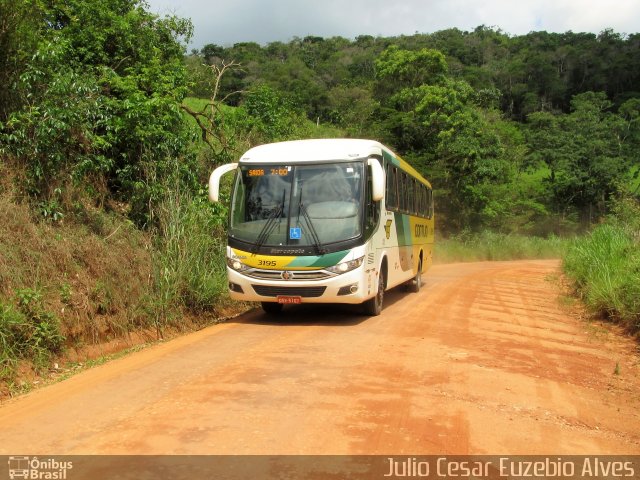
588 153
410 69
101 100
270 113
211 117
436 121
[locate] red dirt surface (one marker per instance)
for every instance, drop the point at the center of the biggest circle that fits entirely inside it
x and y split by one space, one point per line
484 360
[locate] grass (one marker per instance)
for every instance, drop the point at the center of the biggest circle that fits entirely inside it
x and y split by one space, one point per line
487 246
604 266
189 258
605 269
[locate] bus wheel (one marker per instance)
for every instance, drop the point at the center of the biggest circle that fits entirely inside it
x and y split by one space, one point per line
415 284
373 306
272 308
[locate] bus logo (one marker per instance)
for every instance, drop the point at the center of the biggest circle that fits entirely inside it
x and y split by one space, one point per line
387 228
18 467
32 467
286 275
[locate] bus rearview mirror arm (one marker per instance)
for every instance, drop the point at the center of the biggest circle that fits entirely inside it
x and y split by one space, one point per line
214 180
377 180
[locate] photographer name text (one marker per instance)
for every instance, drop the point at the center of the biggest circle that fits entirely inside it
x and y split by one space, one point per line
507 467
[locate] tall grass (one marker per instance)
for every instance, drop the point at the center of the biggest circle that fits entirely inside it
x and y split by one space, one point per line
487 245
189 263
605 268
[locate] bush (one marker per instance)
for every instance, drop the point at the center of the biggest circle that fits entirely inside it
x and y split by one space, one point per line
605 267
27 331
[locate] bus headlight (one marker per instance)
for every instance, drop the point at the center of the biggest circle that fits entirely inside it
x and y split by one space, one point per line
345 267
236 265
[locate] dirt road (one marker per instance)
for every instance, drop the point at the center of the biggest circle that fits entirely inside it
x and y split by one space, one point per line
484 360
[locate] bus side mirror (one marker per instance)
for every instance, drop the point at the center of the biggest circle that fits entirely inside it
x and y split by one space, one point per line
214 180
377 180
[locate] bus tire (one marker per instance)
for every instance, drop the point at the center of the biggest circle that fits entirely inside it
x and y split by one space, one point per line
415 284
272 308
373 306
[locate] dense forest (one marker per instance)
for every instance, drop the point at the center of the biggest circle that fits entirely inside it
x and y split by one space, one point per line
531 133
109 130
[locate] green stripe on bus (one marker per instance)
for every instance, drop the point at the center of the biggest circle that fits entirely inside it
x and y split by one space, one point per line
400 227
327 260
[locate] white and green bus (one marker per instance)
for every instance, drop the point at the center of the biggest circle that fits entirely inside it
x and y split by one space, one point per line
325 221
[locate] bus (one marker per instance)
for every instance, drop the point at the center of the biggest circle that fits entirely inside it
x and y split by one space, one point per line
325 221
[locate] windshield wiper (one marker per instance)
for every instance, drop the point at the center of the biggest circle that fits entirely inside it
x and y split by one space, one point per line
314 233
268 227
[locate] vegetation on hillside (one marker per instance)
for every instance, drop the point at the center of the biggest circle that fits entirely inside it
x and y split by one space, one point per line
109 130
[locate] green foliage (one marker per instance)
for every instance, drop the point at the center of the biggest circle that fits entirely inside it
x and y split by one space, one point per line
271 113
351 108
66 293
100 100
44 335
588 152
605 268
17 45
225 134
53 129
452 140
27 332
410 69
532 72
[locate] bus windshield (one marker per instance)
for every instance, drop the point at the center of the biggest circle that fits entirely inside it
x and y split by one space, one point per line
301 205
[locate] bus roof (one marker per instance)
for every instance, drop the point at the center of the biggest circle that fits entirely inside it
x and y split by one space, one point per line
300 151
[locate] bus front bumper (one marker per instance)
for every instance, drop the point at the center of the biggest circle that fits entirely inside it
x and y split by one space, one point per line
353 287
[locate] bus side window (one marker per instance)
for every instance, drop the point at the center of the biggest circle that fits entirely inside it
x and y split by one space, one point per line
391 197
424 207
406 193
431 207
420 195
413 190
401 192
372 209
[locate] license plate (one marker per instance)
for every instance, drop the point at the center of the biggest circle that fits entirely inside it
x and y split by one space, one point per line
289 300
